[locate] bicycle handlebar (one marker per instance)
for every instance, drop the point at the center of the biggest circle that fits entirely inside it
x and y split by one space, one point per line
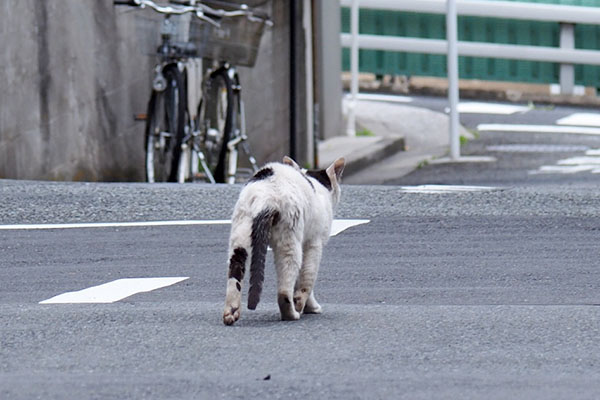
201 11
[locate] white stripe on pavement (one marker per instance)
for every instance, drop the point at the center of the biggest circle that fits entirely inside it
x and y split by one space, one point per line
382 97
590 162
338 225
563 169
490 108
580 161
536 148
580 119
445 189
113 291
521 128
112 224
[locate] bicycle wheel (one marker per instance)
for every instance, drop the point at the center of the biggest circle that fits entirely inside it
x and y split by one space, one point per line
230 160
215 118
165 128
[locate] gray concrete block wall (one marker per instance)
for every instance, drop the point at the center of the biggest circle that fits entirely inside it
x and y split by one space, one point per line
266 89
72 82
73 76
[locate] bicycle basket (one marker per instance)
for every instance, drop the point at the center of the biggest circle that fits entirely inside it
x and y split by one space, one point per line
236 40
148 29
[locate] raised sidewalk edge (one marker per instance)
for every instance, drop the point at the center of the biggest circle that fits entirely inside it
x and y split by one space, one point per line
359 152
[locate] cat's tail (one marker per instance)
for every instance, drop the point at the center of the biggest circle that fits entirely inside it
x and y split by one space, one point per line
261 232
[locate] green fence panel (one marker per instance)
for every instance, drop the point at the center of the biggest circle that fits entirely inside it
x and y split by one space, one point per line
492 30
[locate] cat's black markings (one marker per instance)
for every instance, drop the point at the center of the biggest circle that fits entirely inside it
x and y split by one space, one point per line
262 174
321 177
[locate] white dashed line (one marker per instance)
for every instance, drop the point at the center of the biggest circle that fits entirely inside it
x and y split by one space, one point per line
563 169
521 128
112 224
382 97
536 148
581 119
490 108
338 225
588 163
580 161
435 189
113 291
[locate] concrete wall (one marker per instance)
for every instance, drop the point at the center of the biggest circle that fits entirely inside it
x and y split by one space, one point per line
73 76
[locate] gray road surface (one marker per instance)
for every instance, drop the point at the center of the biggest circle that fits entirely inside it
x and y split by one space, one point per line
489 294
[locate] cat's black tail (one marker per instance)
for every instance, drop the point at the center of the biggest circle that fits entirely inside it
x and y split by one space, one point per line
261 231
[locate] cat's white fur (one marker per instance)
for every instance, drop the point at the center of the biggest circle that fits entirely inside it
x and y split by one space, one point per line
298 210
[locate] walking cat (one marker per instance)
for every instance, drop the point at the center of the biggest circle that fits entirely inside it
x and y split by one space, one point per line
291 210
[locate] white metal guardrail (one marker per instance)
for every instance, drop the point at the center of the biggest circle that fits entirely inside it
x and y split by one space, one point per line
566 54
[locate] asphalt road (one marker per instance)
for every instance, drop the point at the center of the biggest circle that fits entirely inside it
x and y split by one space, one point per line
521 158
490 293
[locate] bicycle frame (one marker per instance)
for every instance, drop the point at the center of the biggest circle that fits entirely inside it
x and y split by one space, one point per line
189 137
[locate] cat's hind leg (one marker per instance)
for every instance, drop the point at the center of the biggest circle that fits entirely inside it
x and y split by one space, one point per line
304 299
233 296
288 256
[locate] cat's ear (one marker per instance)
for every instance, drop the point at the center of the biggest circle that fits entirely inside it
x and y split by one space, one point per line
290 162
336 168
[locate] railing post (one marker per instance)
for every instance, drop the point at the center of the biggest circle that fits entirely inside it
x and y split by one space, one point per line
351 127
567 71
452 38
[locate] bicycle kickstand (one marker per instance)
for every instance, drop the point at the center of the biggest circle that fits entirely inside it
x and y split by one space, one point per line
204 165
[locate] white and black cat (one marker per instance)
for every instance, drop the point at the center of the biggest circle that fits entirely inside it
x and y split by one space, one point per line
291 210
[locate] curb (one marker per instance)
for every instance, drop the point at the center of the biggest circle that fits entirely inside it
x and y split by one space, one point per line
360 152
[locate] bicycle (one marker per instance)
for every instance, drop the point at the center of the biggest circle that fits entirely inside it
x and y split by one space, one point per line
184 144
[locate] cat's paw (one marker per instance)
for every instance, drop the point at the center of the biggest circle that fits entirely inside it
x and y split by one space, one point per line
230 315
299 302
312 307
288 313
290 316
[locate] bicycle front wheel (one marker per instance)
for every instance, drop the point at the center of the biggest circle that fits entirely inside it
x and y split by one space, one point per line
165 129
215 117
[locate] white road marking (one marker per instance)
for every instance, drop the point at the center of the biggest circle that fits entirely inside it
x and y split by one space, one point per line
113 291
489 108
445 189
338 225
113 224
521 128
382 97
562 169
536 148
580 161
590 162
593 152
580 119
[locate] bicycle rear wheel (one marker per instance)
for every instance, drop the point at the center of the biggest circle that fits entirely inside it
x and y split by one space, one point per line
165 128
215 118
